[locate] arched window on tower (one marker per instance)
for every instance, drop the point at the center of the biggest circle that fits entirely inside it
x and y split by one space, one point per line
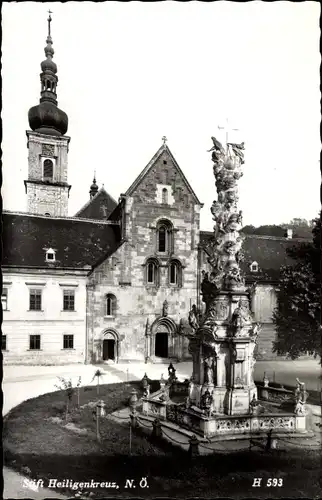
164 236
110 305
165 196
48 170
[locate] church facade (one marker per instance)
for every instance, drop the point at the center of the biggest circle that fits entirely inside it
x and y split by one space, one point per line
115 282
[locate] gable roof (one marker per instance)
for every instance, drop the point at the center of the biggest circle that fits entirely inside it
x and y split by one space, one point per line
268 251
77 242
99 207
150 165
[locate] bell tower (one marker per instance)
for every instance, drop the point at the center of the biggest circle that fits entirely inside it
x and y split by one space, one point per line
47 187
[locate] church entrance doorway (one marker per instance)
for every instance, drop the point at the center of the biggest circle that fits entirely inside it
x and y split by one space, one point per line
161 344
109 349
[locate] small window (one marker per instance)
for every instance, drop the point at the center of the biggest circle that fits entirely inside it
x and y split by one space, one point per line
48 170
110 305
69 300
34 342
47 214
68 342
165 196
35 300
164 162
4 299
3 342
254 267
50 255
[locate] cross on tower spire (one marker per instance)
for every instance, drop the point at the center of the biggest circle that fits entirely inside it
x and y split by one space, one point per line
164 139
49 21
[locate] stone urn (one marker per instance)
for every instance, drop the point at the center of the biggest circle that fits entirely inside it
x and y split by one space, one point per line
133 400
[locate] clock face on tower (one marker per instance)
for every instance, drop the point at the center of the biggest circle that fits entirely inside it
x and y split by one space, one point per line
48 150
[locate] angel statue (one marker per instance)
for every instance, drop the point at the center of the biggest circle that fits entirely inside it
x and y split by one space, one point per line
193 318
238 150
218 150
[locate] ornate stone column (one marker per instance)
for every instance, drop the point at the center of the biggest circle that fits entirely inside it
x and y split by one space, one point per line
227 332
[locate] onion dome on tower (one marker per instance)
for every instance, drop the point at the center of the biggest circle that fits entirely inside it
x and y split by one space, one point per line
93 189
46 117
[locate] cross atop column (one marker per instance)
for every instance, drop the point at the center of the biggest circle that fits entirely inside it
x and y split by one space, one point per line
164 139
227 128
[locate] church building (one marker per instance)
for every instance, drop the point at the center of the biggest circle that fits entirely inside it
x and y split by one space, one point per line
115 282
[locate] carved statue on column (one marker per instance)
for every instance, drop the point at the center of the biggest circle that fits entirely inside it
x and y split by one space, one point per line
241 317
165 308
209 370
205 403
193 318
224 250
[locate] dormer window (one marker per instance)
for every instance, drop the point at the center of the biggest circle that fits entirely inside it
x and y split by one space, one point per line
50 255
254 267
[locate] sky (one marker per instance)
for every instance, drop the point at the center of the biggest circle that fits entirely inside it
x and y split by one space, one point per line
130 73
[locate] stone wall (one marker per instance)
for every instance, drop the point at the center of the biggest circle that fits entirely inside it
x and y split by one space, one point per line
51 323
50 199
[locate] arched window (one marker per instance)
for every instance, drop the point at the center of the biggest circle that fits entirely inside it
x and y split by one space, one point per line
48 170
152 272
165 196
151 268
164 236
110 305
175 273
162 239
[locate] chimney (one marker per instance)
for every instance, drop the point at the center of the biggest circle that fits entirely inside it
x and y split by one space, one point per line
289 234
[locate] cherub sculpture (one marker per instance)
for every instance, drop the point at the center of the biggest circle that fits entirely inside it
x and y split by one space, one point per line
238 150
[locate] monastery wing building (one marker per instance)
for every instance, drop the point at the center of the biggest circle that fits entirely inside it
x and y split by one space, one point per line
115 282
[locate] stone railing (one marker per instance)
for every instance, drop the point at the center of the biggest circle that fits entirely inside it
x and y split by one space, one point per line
155 404
278 422
231 425
275 394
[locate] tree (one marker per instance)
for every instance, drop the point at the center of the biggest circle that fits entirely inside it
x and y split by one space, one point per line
98 374
66 385
249 229
298 312
301 227
267 230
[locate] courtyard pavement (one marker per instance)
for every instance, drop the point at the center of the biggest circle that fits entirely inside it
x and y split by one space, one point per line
25 382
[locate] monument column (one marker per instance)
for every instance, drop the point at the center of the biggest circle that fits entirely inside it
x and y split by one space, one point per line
227 332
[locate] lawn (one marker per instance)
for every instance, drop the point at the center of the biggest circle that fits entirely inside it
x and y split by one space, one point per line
33 439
